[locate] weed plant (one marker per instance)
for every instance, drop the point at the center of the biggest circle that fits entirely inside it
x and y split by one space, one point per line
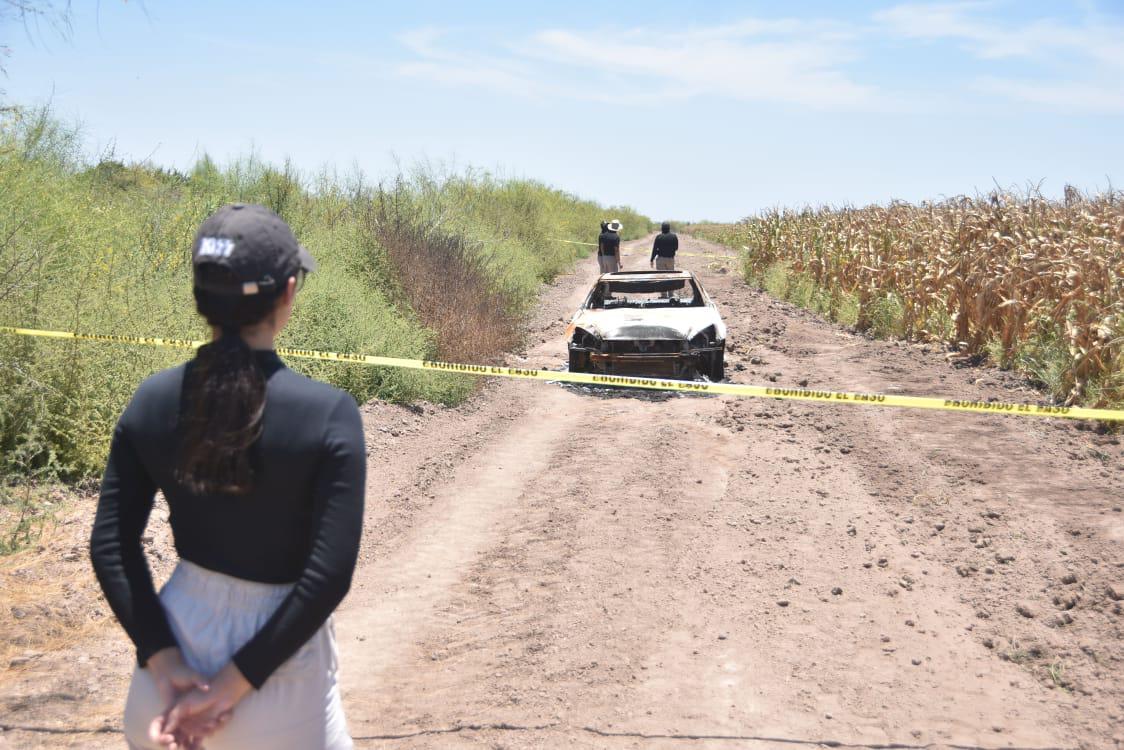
425 265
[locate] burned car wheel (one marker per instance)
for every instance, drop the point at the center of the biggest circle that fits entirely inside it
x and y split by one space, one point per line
716 366
579 361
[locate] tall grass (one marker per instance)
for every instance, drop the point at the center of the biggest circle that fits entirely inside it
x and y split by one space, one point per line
465 246
424 265
1031 283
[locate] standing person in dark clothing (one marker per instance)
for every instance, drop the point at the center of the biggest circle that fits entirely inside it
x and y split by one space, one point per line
604 228
609 247
264 472
664 248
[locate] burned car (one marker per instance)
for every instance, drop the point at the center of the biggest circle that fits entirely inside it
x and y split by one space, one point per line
655 323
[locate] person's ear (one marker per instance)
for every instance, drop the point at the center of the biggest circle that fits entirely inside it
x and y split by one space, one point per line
285 299
283 309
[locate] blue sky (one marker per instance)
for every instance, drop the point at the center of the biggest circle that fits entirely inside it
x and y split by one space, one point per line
685 110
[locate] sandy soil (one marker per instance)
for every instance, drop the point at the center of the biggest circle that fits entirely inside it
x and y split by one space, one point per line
552 566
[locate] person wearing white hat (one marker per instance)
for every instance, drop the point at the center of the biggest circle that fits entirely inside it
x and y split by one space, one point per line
609 247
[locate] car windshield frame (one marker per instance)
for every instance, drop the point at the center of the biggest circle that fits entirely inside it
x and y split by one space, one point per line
601 297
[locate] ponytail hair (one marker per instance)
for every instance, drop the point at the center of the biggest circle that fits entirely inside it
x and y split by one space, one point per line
224 394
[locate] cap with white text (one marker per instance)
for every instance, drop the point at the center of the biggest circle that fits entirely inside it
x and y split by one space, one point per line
254 244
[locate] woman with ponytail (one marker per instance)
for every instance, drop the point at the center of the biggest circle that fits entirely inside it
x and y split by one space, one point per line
264 472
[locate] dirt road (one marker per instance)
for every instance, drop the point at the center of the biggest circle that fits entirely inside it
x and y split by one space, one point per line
558 567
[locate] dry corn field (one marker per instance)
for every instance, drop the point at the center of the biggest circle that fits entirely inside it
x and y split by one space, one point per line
1032 283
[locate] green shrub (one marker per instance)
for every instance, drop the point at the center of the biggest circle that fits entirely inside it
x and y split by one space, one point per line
105 247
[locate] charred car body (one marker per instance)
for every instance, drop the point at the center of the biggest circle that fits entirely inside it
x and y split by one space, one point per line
657 323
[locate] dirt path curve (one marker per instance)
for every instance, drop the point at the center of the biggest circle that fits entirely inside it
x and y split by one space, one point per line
560 567
610 570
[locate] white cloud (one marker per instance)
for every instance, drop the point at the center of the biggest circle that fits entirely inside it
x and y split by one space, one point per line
1082 63
451 68
993 40
731 62
424 42
1074 97
765 60
931 20
809 63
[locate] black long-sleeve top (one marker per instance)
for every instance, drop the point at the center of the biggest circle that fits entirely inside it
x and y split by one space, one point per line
609 243
665 245
300 523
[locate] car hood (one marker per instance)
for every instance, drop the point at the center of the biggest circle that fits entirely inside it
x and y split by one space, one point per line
636 323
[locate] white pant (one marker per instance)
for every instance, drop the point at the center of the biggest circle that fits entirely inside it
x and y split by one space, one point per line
609 263
213 615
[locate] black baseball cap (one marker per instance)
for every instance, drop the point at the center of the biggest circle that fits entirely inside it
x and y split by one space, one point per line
254 244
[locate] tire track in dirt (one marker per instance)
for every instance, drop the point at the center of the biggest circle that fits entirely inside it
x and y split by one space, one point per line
410 583
1016 521
637 586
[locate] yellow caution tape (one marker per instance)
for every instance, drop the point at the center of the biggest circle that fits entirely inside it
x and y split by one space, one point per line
572 242
658 384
